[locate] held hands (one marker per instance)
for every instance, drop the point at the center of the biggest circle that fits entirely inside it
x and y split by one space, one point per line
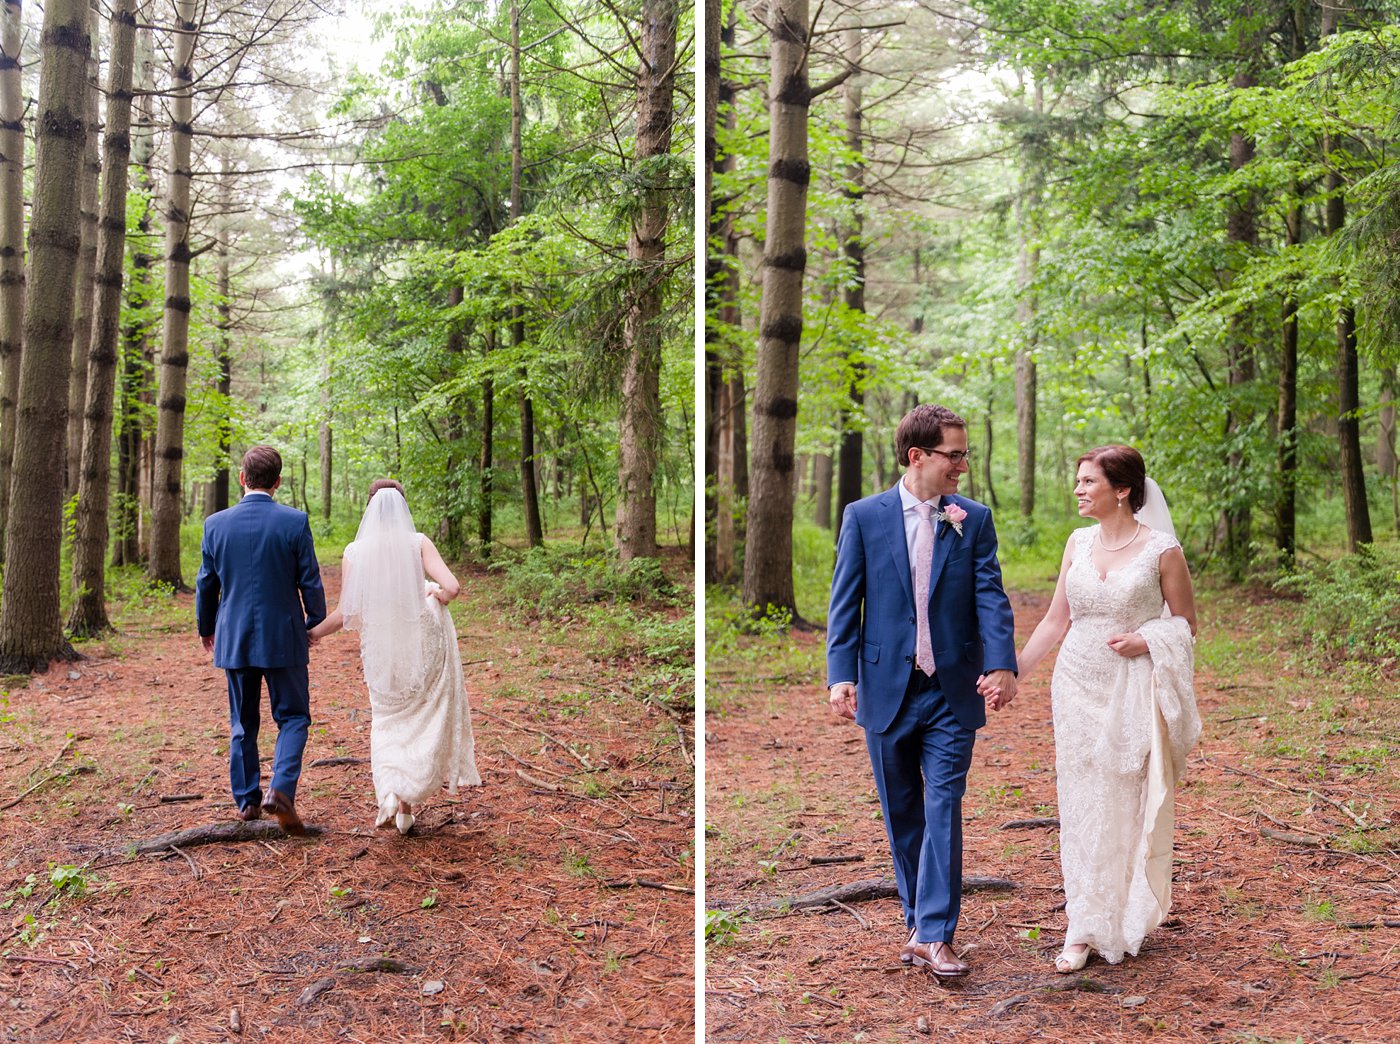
843 700
1128 644
997 688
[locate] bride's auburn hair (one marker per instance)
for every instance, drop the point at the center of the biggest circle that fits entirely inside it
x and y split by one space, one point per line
1124 468
378 484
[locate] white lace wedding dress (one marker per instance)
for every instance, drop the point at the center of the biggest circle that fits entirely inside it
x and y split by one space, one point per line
421 737
1122 729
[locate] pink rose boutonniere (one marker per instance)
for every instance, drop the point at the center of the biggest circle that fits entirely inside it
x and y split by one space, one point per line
953 516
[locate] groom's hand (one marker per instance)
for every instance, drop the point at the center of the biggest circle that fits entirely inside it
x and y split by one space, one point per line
1003 686
843 700
207 640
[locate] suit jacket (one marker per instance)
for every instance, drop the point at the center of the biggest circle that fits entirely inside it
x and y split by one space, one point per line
870 625
259 587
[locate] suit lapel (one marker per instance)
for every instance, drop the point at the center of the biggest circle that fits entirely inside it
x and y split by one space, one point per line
943 537
892 516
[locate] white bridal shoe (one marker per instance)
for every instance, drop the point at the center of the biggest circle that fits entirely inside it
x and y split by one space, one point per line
1071 960
404 821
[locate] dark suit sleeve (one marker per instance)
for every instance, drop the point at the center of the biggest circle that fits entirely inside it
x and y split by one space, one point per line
207 589
994 620
847 598
313 597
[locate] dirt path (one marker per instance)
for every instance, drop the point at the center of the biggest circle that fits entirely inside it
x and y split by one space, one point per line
1257 948
514 910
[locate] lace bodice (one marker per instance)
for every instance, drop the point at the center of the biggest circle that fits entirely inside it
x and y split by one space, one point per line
1128 596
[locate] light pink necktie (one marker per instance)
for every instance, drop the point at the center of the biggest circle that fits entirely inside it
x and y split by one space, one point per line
923 568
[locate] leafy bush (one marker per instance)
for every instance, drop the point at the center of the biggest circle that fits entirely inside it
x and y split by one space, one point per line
1352 605
552 581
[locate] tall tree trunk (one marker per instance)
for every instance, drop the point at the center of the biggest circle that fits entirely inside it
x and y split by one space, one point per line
87 270
453 517
11 245
217 498
768 555
823 472
1285 507
529 489
724 412
714 365
640 435
1240 230
488 443
1351 467
1027 264
1386 463
89 613
852 452
135 375
166 491
31 629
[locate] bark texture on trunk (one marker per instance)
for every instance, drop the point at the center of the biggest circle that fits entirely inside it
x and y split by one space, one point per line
640 436
131 434
11 244
217 498
768 555
167 484
1027 265
529 487
31 629
851 456
87 271
488 449
89 613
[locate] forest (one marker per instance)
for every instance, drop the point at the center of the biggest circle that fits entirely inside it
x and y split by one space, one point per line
448 242
465 265
1171 225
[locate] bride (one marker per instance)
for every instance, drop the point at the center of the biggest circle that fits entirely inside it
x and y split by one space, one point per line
421 732
1123 705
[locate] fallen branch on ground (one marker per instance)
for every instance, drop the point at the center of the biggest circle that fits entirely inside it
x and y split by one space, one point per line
328 762
638 882
210 834
860 891
1030 824
76 770
170 799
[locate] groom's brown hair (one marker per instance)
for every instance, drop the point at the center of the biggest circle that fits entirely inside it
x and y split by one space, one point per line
923 427
262 467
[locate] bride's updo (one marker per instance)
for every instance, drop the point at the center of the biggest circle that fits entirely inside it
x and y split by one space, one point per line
378 484
1124 468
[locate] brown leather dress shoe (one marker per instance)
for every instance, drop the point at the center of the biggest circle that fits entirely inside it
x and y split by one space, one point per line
906 952
250 812
939 959
278 804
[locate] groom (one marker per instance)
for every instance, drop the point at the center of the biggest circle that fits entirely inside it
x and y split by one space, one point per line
257 594
917 615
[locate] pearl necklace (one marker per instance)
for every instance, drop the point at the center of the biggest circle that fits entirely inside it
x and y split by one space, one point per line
1123 544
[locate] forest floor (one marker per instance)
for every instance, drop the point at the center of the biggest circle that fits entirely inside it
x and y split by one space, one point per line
554 903
1286 905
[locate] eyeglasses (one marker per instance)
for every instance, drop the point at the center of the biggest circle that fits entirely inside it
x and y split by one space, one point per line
955 458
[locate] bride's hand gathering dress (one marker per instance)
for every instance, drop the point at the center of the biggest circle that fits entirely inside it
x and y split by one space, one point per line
1123 726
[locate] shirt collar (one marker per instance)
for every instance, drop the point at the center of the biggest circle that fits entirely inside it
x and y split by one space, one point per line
257 493
908 500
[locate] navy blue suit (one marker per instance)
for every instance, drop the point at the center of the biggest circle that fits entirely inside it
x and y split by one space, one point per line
919 730
258 592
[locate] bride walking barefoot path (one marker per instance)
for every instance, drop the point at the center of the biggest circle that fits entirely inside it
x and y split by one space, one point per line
1286 904
552 903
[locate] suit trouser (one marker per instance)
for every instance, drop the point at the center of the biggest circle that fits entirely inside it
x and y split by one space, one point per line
289 695
920 764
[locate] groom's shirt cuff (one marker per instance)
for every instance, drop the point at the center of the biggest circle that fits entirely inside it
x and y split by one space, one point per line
834 684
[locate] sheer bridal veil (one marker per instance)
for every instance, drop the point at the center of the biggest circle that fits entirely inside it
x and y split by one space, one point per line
383 594
1155 514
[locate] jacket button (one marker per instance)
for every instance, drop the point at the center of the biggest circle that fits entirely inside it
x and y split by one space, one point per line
912 620
909 659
